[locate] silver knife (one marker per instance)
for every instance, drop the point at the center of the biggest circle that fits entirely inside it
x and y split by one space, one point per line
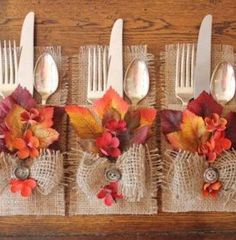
202 72
26 63
115 58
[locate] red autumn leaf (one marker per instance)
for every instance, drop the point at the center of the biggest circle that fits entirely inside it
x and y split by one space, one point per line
5 106
140 135
170 120
84 122
110 100
204 105
230 131
22 97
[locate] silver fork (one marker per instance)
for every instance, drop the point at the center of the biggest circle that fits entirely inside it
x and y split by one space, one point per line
97 72
185 59
8 68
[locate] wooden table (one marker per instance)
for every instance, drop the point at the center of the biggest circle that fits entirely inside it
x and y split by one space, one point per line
73 23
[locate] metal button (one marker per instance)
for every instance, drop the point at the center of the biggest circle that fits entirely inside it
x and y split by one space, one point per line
211 175
22 172
113 174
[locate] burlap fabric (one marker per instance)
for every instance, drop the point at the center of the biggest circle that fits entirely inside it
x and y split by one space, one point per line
183 171
48 198
140 167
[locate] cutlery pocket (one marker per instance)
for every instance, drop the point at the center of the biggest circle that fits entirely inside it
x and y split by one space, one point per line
35 184
137 169
190 183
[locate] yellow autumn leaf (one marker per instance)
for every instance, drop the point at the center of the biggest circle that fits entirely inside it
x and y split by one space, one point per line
84 122
192 134
13 120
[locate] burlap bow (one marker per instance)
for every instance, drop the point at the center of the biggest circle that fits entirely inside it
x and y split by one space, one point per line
47 170
91 173
185 178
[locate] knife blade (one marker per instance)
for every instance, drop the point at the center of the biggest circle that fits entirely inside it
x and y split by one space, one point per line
202 71
115 58
26 63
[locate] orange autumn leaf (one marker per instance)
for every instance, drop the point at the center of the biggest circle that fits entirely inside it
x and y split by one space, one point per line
147 116
46 115
191 135
46 136
13 120
84 122
111 100
9 140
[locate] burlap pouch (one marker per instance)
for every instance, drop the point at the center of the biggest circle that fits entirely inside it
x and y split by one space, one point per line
139 165
183 171
47 169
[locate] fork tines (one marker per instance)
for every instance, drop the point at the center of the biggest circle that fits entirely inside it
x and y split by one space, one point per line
185 59
97 72
8 62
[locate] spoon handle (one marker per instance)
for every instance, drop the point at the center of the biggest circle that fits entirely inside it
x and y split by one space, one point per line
44 101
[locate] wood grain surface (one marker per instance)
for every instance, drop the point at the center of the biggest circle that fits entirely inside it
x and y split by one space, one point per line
72 23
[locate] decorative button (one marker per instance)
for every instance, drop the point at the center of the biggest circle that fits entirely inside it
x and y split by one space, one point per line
113 174
22 172
211 175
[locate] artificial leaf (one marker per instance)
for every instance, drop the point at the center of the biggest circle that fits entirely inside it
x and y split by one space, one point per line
111 114
132 119
140 135
230 131
8 141
46 116
13 120
5 106
110 100
46 136
19 97
2 145
22 97
204 105
84 122
191 135
147 116
170 120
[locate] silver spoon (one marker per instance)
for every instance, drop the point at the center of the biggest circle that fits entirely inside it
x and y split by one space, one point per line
46 76
136 84
222 85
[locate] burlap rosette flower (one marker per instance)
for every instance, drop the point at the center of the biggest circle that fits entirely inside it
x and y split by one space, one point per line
111 159
200 168
27 165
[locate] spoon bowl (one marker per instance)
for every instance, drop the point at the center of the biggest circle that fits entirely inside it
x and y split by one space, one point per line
222 85
136 84
46 76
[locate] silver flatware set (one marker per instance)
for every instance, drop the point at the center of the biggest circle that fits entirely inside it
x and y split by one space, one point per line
105 68
193 70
